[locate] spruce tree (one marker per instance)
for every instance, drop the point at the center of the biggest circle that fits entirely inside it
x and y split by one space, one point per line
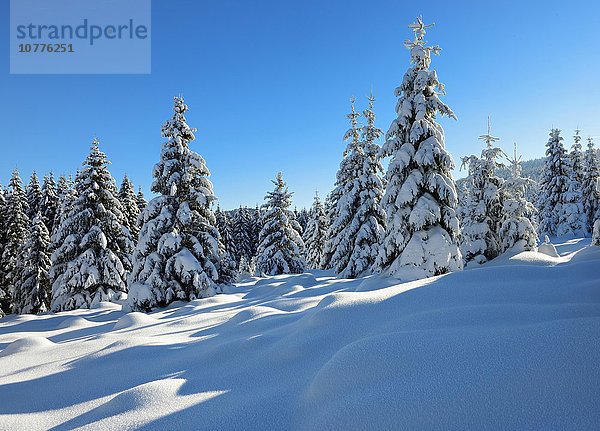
178 251
241 232
572 218
590 193
65 189
228 267
481 239
224 226
330 207
359 223
315 233
518 231
553 185
129 203
49 202
34 196
141 200
422 229
91 261
281 247
4 288
32 288
576 158
16 229
302 218
255 228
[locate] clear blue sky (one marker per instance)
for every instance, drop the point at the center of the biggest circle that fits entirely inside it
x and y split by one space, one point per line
268 84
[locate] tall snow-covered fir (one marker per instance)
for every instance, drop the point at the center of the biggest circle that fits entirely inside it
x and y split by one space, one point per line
518 230
576 157
49 202
65 189
227 266
241 234
315 233
330 208
420 200
91 260
131 210
4 288
32 288
17 224
224 226
553 186
481 239
141 200
280 249
590 192
572 218
34 196
178 252
359 224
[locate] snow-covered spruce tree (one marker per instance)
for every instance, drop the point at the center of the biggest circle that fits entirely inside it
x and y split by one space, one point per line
246 268
572 218
517 232
4 290
359 225
281 247
17 224
255 228
314 234
422 230
302 218
129 203
330 207
590 194
177 255
341 215
91 260
481 239
576 158
228 267
65 189
224 226
34 196
241 234
553 185
32 288
141 200
49 202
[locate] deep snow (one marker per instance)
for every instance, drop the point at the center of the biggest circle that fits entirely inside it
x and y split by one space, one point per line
514 344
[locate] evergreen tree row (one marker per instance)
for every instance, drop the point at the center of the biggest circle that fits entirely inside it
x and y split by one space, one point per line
64 244
69 244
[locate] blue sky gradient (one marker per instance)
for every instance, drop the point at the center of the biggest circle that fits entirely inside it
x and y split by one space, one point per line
268 84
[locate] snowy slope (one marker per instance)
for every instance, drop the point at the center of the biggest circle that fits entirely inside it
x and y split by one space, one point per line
511 345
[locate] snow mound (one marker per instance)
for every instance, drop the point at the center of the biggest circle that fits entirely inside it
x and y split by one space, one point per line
375 282
133 319
73 322
141 405
26 344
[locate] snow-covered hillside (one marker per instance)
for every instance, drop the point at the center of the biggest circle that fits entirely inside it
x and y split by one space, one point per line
514 344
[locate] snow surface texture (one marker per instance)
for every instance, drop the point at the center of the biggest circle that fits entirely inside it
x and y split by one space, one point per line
513 344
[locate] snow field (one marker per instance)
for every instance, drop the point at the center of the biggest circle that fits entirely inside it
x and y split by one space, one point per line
513 344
